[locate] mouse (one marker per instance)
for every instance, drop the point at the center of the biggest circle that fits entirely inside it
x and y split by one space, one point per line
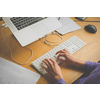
90 28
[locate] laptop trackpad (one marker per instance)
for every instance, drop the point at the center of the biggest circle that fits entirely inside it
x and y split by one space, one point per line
40 29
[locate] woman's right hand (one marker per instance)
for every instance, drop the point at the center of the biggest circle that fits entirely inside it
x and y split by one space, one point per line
69 58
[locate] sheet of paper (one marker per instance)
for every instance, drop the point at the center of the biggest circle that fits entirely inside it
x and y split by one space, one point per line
68 25
11 73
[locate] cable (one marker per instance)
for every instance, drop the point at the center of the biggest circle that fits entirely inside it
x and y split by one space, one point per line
49 42
11 51
86 21
3 25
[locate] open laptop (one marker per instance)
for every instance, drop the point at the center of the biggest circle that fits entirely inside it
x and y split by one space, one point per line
28 32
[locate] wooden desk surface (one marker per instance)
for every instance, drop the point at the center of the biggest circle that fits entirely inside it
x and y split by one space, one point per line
90 52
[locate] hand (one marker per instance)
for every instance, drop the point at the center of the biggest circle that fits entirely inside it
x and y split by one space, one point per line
69 58
53 69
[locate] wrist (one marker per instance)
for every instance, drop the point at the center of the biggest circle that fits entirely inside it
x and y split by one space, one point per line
79 63
60 81
58 77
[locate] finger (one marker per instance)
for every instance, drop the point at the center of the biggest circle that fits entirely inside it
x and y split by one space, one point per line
61 51
46 68
52 65
66 51
49 62
46 62
53 61
61 55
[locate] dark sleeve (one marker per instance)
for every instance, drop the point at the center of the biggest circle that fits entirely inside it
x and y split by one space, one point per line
60 81
90 66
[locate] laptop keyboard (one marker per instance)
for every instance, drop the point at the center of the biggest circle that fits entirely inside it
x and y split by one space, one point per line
22 22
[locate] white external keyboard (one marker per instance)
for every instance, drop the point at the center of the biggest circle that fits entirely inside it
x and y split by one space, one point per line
72 45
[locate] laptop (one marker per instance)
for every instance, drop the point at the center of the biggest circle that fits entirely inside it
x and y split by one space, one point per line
26 30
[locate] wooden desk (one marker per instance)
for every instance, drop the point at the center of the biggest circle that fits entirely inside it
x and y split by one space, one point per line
90 52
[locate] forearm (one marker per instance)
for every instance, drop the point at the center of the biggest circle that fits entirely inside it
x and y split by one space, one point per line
90 66
78 63
87 65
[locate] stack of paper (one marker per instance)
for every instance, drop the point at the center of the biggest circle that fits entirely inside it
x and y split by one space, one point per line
11 73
